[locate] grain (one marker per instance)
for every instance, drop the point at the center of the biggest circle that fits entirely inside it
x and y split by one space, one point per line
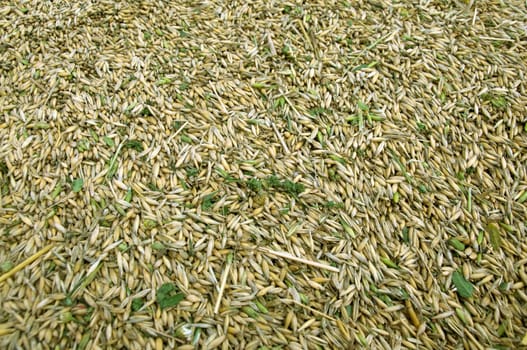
308 163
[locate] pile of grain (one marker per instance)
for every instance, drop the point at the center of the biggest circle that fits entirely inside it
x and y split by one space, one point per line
307 175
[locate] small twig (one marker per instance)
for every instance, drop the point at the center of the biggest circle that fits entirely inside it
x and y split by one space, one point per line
304 261
223 282
26 262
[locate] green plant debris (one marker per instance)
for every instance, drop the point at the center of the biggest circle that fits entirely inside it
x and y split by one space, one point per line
84 340
146 112
134 144
94 135
406 235
3 168
279 102
292 187
318 111
158 246
396 197
255 185
462 315
208 201
164 81
457 244
56 190
365 66
120 210
108 141
258 85
497 101
362 106
39 125
303 298
347 228
464 288
168 296
333 205
494 235
83 145
481 236
149 224
228 177
402 167
84 282
185 138
191 172
523 196
261 307
129 195
6 266
77 185
363 115
137 304
338 159
386 261
250 311
112 166
507 227
287 186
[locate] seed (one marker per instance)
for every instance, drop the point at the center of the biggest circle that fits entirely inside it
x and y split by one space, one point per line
180 145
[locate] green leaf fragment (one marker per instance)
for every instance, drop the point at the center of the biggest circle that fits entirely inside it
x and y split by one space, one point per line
164 81
348 229
137 304
185 138
261 307
56 190
158 246
134 144
461 314
338 159
303 298
494 235
457 244
83 145
6 266
129 195
464 288
167 296
84 340
523 196
77 185
40 125
507 227
149 224
362 106
108 141
250 311
386 261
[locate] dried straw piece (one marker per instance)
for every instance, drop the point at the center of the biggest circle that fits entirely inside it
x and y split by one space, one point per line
26 262
224 276
301 260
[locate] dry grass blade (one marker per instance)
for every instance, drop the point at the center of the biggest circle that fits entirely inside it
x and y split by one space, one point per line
289 256
26 262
